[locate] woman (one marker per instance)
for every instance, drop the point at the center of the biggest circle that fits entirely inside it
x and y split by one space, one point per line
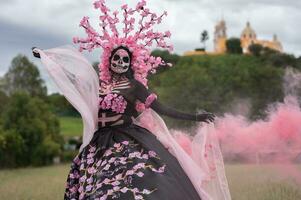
121 159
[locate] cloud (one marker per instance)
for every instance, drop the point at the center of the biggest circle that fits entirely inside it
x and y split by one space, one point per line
16 40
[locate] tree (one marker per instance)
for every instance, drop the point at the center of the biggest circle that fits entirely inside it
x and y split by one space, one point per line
36 128
266 51
3 101
60 106
23 75
204 38
233 46
255 49
282 60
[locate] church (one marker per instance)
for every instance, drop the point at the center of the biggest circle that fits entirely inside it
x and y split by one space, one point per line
247 37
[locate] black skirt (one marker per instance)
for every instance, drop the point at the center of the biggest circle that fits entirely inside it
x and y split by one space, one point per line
127 162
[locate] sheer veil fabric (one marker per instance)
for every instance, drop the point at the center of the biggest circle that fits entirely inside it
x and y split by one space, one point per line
78 81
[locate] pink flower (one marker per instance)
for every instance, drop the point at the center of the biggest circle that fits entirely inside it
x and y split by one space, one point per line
90 180
88 188
110 192
98 4
108 152
115 183
75 40
167 34
124 7
141 4
81 196
107 167
112 159
124 190
84 21
106 181
115 13
145 191
140 107
129 172
92 170
137 197
152 154
140 174
98 185
104 197
116 188
90 161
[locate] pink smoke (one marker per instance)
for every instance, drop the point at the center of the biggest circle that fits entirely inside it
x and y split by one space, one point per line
275 139
278 137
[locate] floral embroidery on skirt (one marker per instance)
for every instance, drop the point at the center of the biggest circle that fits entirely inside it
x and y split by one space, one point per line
111 175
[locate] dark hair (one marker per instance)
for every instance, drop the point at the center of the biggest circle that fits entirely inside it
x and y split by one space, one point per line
130 73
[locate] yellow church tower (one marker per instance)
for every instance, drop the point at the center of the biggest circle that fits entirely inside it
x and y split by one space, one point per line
220 37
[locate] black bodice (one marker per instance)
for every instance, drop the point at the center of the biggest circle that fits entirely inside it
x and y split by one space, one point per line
110 117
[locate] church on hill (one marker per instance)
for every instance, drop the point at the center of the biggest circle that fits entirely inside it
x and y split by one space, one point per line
248 37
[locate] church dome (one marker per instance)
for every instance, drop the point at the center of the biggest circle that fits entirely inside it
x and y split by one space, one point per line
248 32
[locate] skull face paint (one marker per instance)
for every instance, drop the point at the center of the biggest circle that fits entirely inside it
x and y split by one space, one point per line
120 61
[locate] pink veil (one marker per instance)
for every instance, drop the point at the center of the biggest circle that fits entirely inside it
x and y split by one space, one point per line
77 80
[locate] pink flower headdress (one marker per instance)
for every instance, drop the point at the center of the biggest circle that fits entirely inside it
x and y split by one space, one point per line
137 41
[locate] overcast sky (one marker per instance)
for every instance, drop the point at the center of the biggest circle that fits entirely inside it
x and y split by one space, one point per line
48 24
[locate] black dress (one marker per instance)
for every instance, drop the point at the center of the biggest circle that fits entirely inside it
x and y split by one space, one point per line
127 162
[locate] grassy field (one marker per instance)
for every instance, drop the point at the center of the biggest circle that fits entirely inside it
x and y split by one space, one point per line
247 182
71 126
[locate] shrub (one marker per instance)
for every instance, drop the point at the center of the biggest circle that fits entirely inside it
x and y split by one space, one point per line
255 49
11 148
33 129
233 46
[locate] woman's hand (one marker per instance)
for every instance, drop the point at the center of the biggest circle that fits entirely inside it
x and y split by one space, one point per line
35 53
205 117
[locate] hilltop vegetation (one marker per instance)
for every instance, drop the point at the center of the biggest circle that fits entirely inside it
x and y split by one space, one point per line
221 83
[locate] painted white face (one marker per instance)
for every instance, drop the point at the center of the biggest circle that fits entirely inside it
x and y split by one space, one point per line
120 61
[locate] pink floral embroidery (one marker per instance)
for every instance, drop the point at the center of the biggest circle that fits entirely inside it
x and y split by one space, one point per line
113 101
95 184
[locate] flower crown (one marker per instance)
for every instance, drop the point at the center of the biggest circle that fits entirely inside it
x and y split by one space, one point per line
137 41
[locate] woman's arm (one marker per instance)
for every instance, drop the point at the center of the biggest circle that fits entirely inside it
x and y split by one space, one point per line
142 94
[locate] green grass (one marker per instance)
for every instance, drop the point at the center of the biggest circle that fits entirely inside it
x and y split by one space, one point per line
263 182
45 183
71 126
247 182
